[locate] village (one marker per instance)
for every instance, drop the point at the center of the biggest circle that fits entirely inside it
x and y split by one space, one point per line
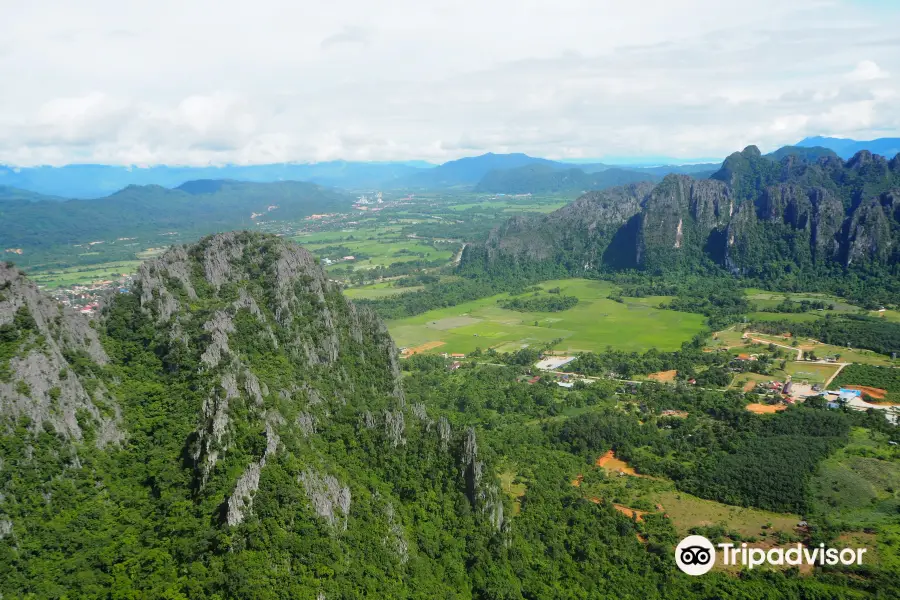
775 395
87 298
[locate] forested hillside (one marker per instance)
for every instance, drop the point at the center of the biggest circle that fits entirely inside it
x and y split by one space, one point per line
199 207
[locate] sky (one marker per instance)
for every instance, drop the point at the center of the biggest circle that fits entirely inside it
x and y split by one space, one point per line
194 82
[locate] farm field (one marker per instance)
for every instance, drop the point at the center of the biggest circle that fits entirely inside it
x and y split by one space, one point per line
593 324
509 206
383 252
56 278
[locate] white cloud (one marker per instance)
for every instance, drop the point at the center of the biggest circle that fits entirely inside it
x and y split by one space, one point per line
867 70
200 81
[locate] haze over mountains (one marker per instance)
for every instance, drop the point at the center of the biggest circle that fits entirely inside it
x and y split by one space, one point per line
95 181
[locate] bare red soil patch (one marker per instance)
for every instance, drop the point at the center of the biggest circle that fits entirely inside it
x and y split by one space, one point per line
664 376
421 348
609 462
764 409
874 392
630 512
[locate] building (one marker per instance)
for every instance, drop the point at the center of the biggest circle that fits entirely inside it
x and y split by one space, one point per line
457 356
455 365
846 395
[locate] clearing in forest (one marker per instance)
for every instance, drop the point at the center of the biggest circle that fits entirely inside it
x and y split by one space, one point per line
609 462
664 376
630 512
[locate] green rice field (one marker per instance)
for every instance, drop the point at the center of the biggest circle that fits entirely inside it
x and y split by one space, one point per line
593 324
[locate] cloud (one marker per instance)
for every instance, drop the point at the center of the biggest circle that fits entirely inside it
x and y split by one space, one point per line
349 35
867 70
574 78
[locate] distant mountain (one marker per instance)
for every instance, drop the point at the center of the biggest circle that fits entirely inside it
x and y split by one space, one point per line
197 206
11 193
811 153
756 216
546 178
94 181
846 148
699 170
470 170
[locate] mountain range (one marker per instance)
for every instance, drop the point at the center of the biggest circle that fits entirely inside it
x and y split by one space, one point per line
94 181
756 216
846 148
203 206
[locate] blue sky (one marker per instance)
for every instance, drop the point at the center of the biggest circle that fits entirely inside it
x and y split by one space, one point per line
199 82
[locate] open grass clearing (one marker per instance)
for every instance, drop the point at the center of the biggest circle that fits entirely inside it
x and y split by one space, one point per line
514 487
593 324
811 372
687 511
769 299
644 495
860 484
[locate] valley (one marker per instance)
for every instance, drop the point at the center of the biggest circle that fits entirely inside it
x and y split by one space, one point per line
410 375
456 301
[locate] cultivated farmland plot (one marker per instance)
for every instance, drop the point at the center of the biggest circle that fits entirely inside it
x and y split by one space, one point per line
594 324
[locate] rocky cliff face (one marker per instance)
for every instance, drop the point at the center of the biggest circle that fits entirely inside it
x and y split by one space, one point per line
48 355
869 234
579 234
678 216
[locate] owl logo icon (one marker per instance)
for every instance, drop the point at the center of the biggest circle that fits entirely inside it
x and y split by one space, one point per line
695 555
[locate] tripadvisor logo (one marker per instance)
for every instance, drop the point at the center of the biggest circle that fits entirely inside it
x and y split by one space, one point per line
696 555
